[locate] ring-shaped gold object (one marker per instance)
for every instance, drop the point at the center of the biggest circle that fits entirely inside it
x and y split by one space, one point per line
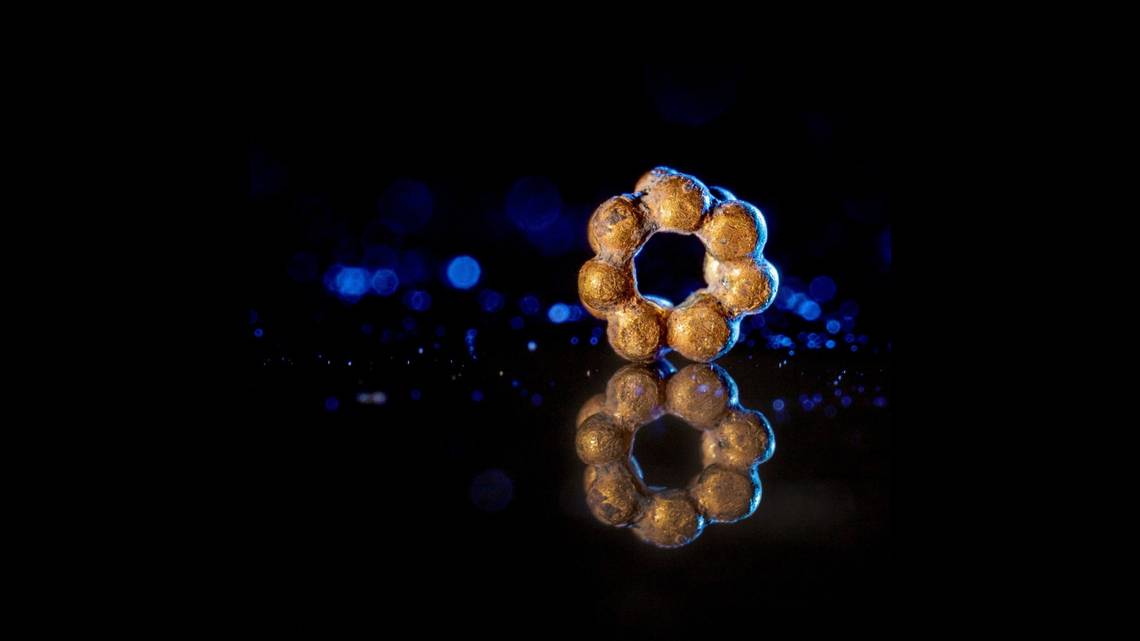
734 441
739 280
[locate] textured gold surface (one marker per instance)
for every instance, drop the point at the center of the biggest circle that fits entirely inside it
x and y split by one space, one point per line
601 440
671 520
724 495
635 395
677 202
706 325
741 440
700 328
618 229
614 493
743 286
699 395
636 331
733 231
734 442
603 286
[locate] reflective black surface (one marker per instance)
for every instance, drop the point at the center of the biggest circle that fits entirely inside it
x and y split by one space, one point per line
420 444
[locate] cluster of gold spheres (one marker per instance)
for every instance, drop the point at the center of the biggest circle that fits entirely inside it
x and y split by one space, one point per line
734 441
707 323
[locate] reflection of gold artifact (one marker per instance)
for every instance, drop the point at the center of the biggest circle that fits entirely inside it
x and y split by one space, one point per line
734 442
707 323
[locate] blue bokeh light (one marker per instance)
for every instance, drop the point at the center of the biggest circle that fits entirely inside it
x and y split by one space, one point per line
258 332
332 404
491 491
490 300
531 346
533 203
349 282
463 272
558 313
822 288
833 326
385 282
530 305
418 300
808 309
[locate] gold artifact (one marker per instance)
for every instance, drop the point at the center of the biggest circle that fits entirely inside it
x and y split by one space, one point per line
734 442
706 325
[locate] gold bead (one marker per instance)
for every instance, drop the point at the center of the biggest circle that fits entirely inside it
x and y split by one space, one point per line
614 494
724 495
743 286
677 202
700 328
670 520
617 229
735 229
601 440
635 395
699 395
595 404
602 286
637 331
743 439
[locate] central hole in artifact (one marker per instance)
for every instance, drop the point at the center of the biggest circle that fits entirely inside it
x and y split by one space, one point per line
669 452
670 266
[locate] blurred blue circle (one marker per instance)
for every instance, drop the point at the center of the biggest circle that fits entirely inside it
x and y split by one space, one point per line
822 288
533 203
463 272
491 491
385 282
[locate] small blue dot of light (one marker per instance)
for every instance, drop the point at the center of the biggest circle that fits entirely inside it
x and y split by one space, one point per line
573 340
536 400
258 333
385 282
331 404
833 326
477 396
778 404
880 401
529 305
830 344
514 383
854 348
516 322
817 397
791 352
576 313
822 288
845 401
463 272
532 346
558 313
419 300
491 301
416 395
593 340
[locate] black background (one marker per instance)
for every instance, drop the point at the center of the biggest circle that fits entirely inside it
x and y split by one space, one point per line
379 497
